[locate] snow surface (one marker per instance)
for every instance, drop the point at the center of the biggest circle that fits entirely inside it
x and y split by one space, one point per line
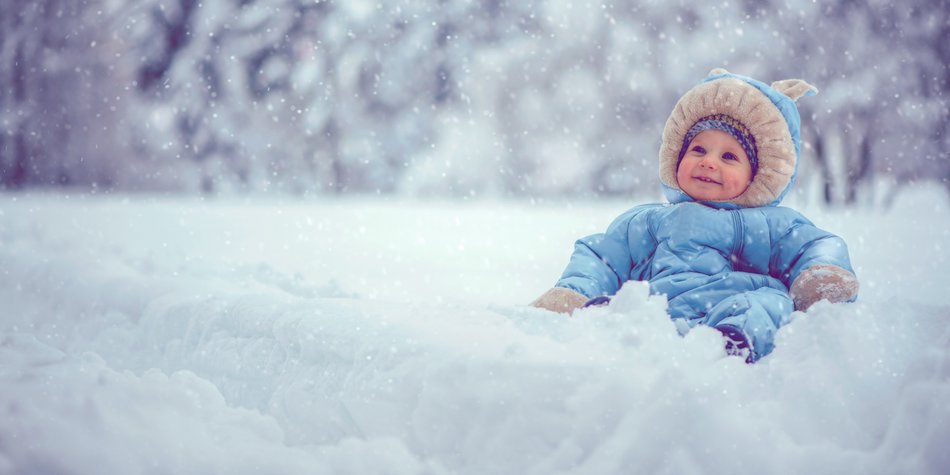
174 335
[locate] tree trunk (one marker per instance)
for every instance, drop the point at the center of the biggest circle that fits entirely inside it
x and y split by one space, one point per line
823 167
176 38
15 176
859 164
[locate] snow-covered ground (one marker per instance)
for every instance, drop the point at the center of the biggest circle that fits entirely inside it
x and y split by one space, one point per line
354 336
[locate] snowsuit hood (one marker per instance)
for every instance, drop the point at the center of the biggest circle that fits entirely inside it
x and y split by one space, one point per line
771 116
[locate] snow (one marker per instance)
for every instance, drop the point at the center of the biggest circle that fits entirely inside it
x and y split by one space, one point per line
175 335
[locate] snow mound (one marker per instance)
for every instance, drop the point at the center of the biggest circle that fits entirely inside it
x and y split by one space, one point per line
118 357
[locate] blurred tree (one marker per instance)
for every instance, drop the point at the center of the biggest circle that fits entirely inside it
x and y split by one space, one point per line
59 103
882 108
458 97
298 94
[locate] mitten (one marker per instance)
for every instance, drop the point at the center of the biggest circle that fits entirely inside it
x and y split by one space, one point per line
560 299
823 282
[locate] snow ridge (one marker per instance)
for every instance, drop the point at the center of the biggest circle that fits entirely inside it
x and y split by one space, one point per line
118 359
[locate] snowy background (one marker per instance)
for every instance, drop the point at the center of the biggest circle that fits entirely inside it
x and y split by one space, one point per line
298 236
462 98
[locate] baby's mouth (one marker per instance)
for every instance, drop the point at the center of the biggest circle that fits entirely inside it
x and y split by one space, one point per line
706 180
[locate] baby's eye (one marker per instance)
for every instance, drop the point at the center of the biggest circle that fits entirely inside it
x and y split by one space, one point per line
730 156
699 149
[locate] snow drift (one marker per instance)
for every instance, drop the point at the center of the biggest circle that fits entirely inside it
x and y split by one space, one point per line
174 336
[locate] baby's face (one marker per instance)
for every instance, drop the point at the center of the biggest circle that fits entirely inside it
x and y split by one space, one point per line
714 168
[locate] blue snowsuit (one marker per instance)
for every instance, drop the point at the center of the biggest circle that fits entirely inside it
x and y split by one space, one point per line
717 267
719 264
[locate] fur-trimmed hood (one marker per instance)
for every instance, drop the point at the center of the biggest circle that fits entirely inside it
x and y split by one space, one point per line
770 114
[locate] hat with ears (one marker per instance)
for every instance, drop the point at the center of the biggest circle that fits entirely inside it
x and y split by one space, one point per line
767 114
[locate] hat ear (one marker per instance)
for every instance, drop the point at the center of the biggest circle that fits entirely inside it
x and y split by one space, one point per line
794 88
716 72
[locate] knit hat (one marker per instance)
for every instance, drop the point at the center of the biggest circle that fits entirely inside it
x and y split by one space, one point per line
729 125
762 118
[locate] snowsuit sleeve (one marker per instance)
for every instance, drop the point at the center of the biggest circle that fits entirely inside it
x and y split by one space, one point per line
601 263
798 245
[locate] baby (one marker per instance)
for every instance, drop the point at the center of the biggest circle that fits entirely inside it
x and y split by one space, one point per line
722 250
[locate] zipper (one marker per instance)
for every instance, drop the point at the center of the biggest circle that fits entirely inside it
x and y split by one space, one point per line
740 238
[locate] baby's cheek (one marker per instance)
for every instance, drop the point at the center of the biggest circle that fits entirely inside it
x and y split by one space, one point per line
680 173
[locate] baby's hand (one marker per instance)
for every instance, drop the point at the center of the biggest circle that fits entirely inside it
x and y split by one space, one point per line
560 299
823 282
